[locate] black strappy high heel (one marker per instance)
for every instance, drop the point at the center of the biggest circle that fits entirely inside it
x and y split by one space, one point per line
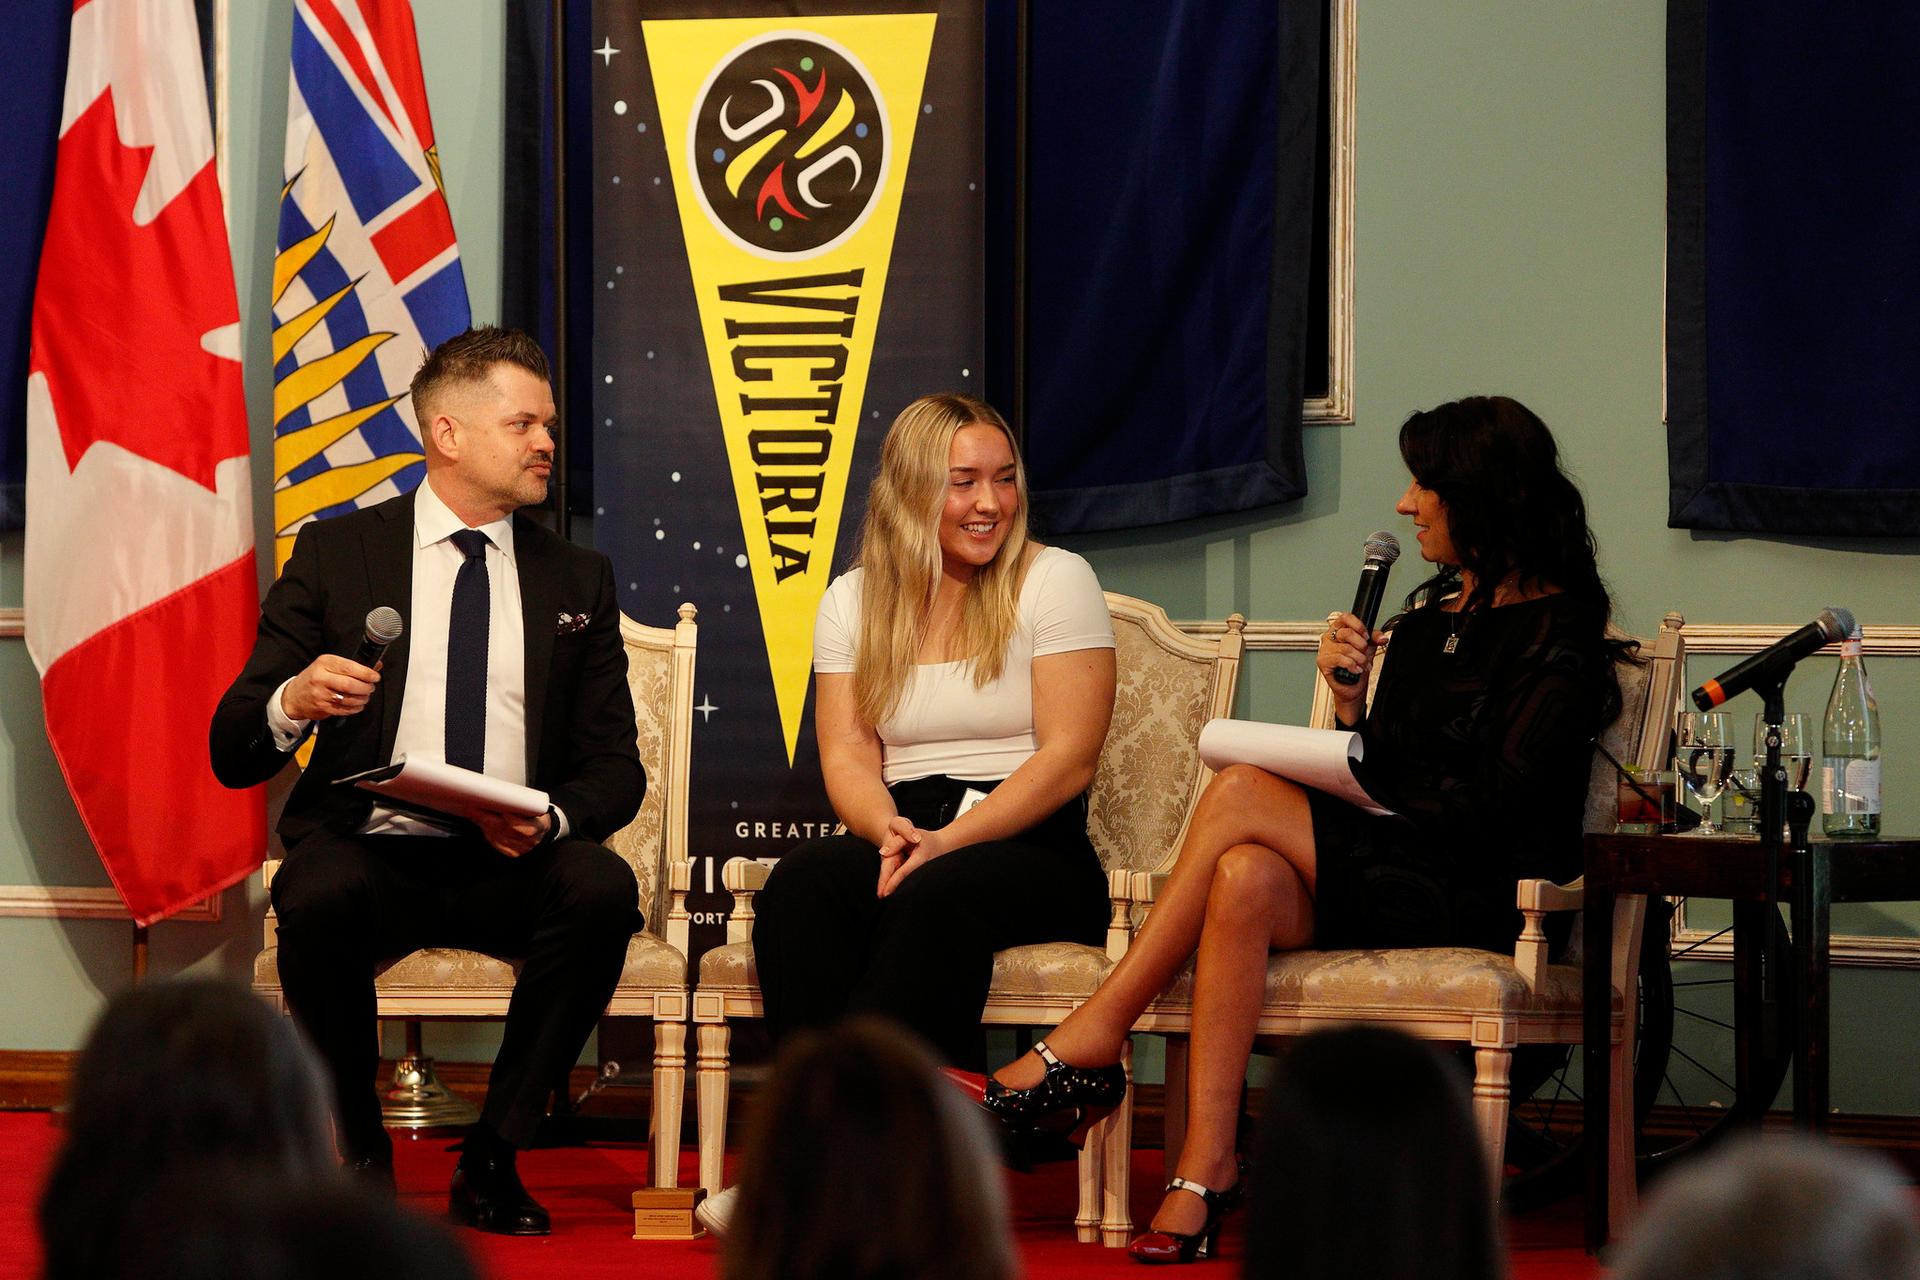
1161 1247
1068 1101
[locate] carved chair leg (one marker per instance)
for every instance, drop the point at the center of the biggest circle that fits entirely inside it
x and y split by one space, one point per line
1086 1218
669 1095
1116 1175
1492 1080
710 1083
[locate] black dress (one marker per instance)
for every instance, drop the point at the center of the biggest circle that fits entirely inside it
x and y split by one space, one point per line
1484 755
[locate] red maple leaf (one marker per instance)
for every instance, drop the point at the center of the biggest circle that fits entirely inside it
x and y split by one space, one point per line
120 309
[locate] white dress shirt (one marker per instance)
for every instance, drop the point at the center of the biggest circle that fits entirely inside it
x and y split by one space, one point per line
421 734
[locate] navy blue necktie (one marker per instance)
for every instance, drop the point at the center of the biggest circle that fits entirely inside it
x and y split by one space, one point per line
467 655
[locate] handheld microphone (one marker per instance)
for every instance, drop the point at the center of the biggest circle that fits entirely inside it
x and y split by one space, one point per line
1771 664
1381 549
383 628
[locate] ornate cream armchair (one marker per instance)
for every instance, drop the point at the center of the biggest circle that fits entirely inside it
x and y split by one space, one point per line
1494 1003
1170 684
444 982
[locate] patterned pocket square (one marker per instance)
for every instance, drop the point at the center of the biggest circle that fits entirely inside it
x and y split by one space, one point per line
568 623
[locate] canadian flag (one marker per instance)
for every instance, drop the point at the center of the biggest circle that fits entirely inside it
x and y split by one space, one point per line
140 587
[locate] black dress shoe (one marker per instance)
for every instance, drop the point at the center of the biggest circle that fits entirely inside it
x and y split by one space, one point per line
487 1194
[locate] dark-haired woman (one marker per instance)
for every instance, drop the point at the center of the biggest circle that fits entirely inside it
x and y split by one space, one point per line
1479 740
864 1164
182 1084
1369 1165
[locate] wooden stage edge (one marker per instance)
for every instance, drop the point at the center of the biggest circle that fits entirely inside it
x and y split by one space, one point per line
33 1080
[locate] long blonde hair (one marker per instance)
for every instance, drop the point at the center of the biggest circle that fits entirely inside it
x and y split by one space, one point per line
900 556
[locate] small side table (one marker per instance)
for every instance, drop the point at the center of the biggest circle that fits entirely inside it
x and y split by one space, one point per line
1879 870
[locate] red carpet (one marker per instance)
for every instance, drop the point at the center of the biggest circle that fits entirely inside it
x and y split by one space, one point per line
587 1190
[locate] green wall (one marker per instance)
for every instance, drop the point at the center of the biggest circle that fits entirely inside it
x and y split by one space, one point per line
1509 228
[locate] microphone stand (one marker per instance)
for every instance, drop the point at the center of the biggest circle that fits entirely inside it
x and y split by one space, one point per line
1773 821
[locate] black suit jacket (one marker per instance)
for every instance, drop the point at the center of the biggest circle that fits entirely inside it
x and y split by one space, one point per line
580 727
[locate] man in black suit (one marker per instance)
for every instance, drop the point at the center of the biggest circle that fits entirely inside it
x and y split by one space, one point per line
511 665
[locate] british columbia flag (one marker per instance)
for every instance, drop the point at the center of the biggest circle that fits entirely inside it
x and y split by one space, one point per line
367 275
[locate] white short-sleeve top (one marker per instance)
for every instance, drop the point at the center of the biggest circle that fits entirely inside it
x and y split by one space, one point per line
946 725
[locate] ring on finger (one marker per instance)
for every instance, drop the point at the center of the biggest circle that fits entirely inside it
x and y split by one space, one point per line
339 697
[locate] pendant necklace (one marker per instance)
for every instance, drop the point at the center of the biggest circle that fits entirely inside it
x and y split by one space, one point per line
1453 632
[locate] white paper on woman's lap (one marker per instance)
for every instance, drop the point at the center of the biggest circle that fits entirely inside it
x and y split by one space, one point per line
1319 758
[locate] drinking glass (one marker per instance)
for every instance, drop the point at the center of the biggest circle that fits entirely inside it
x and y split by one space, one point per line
1704 761
1796 747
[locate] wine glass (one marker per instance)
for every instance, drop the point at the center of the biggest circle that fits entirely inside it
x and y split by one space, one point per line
1704 761
1796 747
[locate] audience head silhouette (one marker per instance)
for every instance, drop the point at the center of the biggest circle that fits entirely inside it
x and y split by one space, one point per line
241 1227
1370 1165
179 1081
864 1164
1782 1209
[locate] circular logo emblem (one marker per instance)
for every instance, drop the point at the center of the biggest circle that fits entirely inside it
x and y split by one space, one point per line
788 145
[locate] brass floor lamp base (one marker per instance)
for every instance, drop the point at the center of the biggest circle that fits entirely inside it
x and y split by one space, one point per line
415 1098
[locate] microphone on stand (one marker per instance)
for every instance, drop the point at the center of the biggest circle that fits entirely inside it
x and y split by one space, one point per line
383 628
1771 664
1381 549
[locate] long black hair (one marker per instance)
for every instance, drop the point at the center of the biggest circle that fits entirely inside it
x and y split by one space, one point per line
1370 1165
1511 511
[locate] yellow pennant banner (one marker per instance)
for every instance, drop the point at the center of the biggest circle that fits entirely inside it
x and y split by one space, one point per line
789 140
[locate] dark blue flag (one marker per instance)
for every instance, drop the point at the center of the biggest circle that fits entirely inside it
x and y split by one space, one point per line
34 33
1793 201
1170 210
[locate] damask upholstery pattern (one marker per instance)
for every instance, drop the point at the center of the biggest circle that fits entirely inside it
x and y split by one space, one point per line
1456 978
1143 785
1603 809
1044 969
1049 969
649 963
642 842
729 967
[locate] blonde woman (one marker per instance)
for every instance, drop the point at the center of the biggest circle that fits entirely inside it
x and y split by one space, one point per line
964 680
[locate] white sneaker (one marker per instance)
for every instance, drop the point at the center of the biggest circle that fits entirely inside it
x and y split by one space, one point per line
715 1212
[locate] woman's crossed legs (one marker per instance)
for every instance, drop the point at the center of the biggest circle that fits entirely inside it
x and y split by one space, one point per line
1243 884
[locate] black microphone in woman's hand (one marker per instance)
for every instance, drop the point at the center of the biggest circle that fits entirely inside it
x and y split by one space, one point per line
383 628
1381 550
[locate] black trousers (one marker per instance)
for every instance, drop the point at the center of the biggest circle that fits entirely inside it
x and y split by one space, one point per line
825 945
346 903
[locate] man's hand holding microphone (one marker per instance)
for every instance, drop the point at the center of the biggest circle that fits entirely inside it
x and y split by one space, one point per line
336 686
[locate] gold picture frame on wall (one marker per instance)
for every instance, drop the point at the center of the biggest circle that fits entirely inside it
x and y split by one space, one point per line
1335 406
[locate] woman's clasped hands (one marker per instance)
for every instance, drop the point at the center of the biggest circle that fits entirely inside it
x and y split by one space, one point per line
906 849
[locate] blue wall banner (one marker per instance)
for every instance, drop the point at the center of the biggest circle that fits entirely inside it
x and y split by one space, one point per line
34 34
787 242
1172 165
1793 194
